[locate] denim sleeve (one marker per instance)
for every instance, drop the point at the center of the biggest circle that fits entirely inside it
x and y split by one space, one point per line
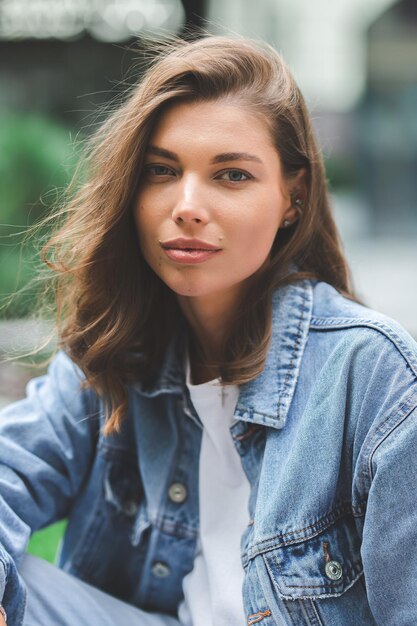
389 545
47 444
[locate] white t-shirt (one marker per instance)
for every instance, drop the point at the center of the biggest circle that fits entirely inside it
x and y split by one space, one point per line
213 589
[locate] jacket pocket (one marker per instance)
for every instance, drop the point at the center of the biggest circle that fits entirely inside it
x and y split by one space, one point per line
107 549
123 490
324 565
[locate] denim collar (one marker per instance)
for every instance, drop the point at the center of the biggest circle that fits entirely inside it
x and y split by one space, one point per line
266 399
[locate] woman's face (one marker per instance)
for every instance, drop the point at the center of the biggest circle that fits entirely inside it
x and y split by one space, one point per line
212 197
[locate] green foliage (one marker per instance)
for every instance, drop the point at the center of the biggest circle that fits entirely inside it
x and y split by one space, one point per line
37 160
45 542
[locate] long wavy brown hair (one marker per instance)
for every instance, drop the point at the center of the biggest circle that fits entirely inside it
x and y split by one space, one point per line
115 316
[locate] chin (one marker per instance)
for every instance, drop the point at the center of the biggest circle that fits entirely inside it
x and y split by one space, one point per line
183 285
192 287
192 291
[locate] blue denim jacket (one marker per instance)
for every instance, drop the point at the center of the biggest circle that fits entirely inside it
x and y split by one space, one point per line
327 436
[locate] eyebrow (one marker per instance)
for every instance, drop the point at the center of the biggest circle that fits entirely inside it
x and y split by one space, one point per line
235 156
219 158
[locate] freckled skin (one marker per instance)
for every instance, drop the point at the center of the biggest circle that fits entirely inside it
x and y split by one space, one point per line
237 205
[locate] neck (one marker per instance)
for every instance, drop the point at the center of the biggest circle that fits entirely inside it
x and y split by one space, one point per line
209 320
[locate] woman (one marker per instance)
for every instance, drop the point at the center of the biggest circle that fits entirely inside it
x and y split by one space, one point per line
229 433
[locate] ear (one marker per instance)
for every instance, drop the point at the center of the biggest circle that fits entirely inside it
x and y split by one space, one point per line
297 192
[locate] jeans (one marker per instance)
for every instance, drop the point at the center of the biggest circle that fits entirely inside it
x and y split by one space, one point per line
56 598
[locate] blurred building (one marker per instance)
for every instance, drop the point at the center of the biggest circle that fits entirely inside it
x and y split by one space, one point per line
356 63
65 57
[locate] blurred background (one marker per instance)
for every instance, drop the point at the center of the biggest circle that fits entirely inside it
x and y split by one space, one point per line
62 61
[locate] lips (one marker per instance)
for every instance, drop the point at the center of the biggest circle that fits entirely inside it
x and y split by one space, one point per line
188 244
189 251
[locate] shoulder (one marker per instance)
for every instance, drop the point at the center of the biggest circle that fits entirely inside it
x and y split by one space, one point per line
62 389
333 313
331 308
323 340
362 366
364 356
63 373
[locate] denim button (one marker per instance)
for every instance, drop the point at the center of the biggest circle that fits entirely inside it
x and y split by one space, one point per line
177 492
160 569
333 570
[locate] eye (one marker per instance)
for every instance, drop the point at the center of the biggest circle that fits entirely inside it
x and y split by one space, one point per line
234 176
158 170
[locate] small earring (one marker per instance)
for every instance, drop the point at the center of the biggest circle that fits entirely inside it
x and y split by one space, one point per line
297 203
286 223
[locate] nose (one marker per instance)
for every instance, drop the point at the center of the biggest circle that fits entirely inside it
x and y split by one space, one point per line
190 206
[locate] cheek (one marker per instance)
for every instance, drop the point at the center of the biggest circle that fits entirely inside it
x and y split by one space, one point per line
139 229
145 222
258 231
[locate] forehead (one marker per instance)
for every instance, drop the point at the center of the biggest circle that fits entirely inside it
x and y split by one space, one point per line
222 122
